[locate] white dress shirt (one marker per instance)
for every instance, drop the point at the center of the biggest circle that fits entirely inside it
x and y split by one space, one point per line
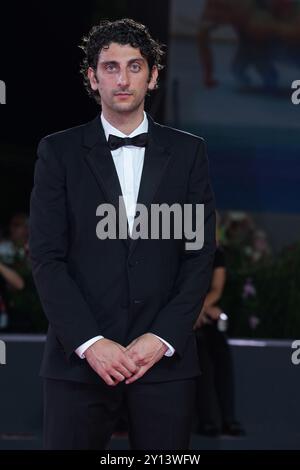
129 162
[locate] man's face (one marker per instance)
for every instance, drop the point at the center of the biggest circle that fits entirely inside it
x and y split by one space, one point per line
122 79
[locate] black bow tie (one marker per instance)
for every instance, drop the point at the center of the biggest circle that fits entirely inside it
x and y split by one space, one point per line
115 142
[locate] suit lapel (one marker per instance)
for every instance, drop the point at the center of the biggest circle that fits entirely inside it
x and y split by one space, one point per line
156 159
101 163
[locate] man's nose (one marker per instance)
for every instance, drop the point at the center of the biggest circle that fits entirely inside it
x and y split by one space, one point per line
123 79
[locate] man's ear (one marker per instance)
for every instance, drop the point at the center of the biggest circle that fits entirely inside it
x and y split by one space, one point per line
153 79
92 78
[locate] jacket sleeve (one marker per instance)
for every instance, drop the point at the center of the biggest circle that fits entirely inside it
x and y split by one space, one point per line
175 321
62 301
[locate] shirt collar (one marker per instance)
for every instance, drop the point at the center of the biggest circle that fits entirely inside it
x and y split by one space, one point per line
109 129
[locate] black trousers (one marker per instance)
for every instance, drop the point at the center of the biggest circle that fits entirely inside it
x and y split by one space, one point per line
83 416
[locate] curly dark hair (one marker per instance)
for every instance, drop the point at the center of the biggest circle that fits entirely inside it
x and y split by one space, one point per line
124 31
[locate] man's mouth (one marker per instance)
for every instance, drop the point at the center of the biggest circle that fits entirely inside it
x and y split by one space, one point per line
123 93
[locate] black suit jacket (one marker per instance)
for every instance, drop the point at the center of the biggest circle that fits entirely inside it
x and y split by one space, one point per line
117 288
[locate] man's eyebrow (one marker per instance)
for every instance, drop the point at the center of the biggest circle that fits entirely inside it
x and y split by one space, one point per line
115 62
137 59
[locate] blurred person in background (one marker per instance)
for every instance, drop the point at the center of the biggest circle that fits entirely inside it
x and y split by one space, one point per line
216 395
13 247
9 280
23 312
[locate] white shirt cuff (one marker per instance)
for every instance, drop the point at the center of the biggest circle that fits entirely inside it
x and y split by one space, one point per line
83 347
170 350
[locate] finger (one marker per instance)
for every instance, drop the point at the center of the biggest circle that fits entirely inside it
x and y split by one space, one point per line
117 375
107 379
134 378
103 374
132 357
134 354
138 375
129 363
124 371
138 361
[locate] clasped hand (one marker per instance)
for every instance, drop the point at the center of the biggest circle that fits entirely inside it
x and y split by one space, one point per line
115 363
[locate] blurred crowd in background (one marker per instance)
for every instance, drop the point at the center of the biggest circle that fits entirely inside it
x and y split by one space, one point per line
252 295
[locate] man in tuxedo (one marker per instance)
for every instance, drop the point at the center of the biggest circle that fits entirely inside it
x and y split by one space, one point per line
121 310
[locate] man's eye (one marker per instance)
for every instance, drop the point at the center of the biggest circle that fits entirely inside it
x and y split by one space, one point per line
110 68
135 67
